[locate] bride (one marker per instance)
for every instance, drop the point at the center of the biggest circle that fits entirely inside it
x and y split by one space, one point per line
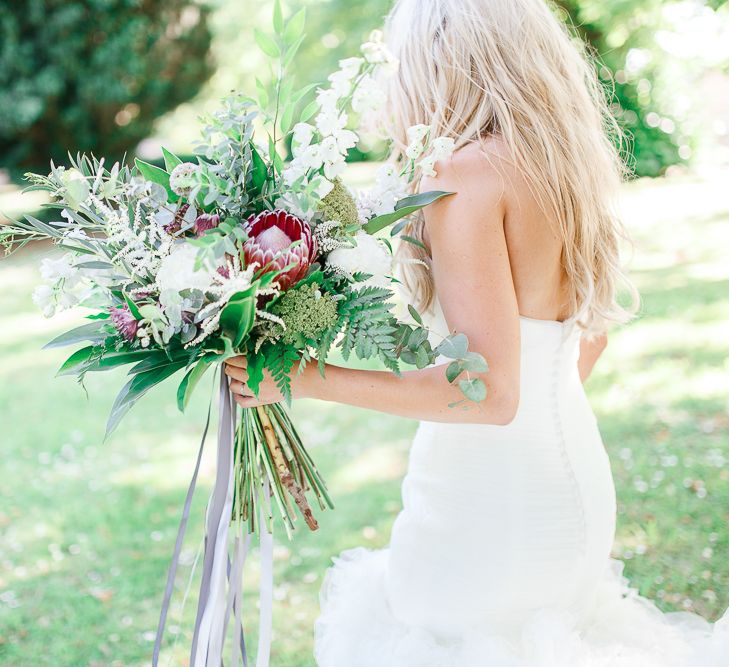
500 556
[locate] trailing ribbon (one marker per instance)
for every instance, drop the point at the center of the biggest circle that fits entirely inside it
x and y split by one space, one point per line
207 637
178 546
221 585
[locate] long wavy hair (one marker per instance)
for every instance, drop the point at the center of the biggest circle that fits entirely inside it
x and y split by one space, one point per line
475 69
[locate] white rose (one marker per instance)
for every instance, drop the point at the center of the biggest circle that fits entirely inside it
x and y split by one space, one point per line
177 271
368 256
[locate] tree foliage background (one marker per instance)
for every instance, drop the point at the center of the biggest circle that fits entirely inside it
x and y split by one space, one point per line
94 75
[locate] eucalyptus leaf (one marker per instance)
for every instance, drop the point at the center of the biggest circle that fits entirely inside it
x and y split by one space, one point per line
454 346
415 314
475 363
454 369
473 389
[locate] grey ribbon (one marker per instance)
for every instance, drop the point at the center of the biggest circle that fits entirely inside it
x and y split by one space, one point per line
206 647
172 572
266 584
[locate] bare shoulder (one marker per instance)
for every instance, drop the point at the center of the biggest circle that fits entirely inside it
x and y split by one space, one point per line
481 174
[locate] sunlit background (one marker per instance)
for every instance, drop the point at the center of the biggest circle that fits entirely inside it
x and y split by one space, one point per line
87 527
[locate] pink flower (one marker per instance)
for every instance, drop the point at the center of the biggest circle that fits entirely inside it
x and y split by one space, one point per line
270 237
205 221
124 322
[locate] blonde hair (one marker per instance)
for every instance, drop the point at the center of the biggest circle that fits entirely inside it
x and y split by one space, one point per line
474 69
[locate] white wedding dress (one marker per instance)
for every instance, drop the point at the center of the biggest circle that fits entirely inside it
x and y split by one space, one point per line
501 554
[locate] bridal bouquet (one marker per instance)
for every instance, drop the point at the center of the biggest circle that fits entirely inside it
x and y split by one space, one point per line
242 252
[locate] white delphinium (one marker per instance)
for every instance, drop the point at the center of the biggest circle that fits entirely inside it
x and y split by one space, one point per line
416 135
44 297
64 287
368 96
368 256
375 52
389 187
440 149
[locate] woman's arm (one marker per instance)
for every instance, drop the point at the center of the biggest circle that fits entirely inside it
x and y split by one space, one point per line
590 351
475 289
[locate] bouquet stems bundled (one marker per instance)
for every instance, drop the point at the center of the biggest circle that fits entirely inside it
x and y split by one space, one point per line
267 446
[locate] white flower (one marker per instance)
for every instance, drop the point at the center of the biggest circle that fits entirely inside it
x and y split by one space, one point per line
351 66
322 187
416 133
43 297
312 157
345 139
341 83
329 122
427 166
368 256
177 271
442 147
301 137
327 99
182 178
368 96
416 141
76 187
375 50
59 269
334 169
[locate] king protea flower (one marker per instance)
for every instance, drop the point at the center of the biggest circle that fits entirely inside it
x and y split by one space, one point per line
124 322
270 237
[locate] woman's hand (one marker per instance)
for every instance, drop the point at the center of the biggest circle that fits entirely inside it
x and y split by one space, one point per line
268 392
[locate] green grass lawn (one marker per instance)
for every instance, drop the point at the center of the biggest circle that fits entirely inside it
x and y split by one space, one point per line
87 527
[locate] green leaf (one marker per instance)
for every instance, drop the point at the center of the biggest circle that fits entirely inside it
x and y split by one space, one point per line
111 360
421 358
475 363
414 241
260 172
474 389
308 111
94 332
171 160
236 319
189 382
132 307
403 208
134 390
266 44
255 371
453 347
295 27
286 118
415 314
455 368
156 175
278 22
75 364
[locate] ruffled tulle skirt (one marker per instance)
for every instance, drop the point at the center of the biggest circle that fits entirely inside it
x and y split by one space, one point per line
356 628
